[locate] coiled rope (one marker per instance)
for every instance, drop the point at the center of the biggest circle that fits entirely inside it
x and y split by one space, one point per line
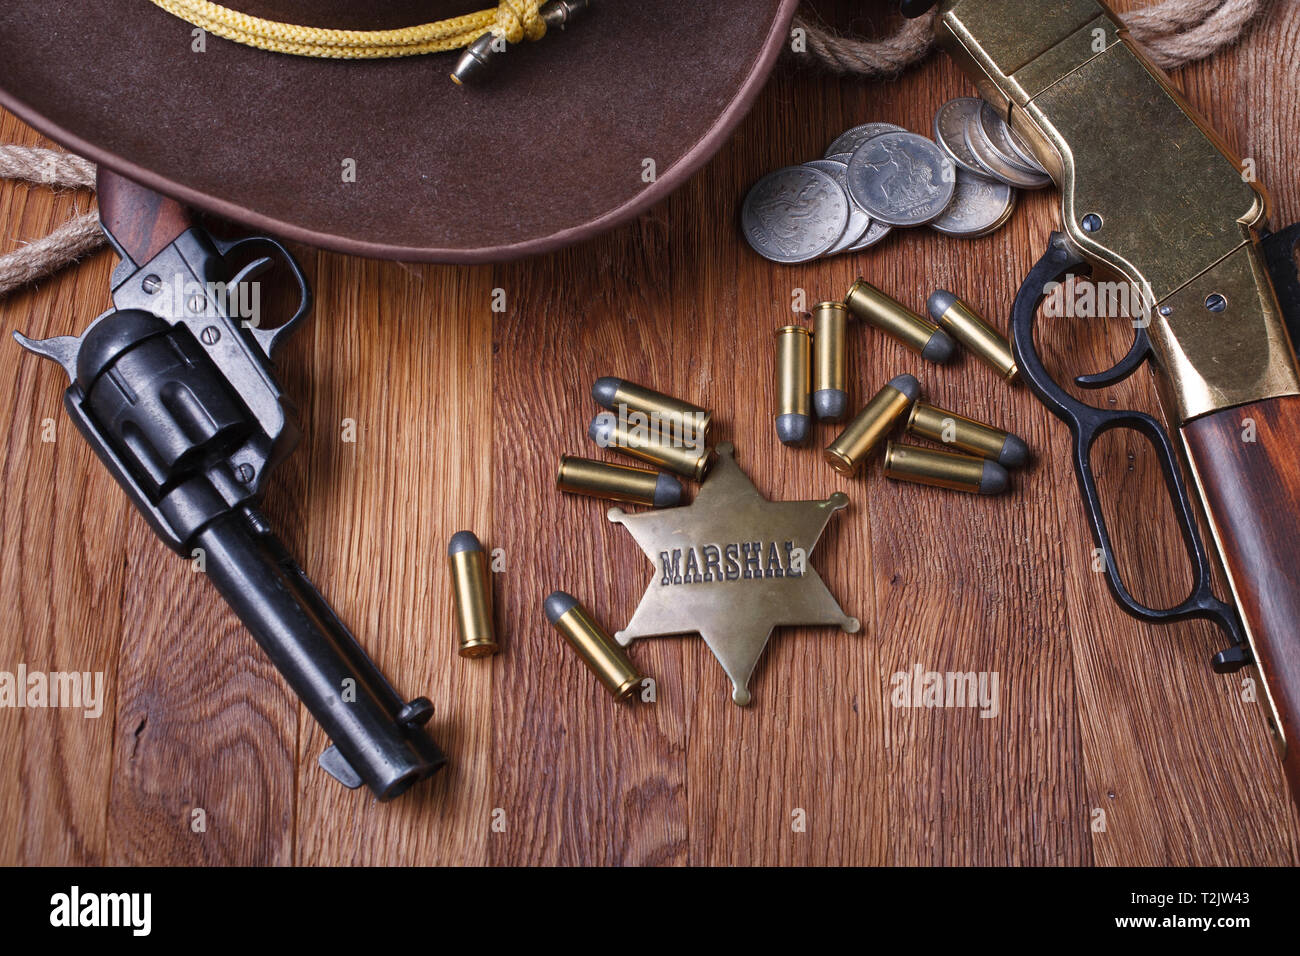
77 237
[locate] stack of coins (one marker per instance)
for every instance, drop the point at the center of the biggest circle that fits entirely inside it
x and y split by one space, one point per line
878 176
656 428
992 163
977 138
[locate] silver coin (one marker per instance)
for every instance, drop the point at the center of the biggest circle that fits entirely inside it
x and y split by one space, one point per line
950 131
850 140
794 214
1023 151
998 133
993 163
875 232
979 206
859 220
901 179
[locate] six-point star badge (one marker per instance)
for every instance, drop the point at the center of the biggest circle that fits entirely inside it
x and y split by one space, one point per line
732 566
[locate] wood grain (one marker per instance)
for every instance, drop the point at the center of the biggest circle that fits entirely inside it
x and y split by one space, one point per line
143 222
460 414
1245 457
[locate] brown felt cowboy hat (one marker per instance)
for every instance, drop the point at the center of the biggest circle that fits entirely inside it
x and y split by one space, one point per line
570 134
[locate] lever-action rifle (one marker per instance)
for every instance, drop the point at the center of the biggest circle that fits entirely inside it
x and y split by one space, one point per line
177 396
1150 193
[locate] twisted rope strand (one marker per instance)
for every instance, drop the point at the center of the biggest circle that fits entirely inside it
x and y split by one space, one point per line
46 167
1161 18
1213 24
1219 29
76 238
874 58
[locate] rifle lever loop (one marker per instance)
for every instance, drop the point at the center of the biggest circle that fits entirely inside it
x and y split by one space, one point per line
1087 423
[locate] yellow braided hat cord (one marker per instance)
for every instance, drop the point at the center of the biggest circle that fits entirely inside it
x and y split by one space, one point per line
513 20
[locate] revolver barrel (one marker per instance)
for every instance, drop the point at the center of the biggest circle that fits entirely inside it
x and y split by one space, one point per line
376 735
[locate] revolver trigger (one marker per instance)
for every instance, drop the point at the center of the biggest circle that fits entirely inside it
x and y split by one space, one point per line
252 270
1138 353
268 339
337 766
61 348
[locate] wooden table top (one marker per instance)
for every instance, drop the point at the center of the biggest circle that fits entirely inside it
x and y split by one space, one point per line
1114 741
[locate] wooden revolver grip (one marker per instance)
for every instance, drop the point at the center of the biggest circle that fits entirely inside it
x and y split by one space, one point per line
1252 495
140 222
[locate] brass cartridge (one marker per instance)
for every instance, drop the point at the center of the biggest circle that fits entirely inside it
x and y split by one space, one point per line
847 452
619 395
598 650
830 361
793 377
967 434
471 588
603 479
689 457
968 328
944 469
892 317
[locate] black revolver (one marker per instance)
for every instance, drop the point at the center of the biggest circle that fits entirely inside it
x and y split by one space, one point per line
177 396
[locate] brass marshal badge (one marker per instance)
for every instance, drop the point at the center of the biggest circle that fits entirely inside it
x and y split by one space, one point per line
732 566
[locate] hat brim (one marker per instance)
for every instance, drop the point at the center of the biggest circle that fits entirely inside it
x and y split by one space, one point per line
388 158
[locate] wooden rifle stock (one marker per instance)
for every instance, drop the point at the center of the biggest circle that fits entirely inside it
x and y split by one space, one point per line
1251 492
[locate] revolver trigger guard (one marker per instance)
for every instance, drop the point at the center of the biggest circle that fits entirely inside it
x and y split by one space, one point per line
1087 423
269 339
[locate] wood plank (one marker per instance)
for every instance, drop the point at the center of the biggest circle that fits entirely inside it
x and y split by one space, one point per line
61 568
581 778
461 414
404 353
